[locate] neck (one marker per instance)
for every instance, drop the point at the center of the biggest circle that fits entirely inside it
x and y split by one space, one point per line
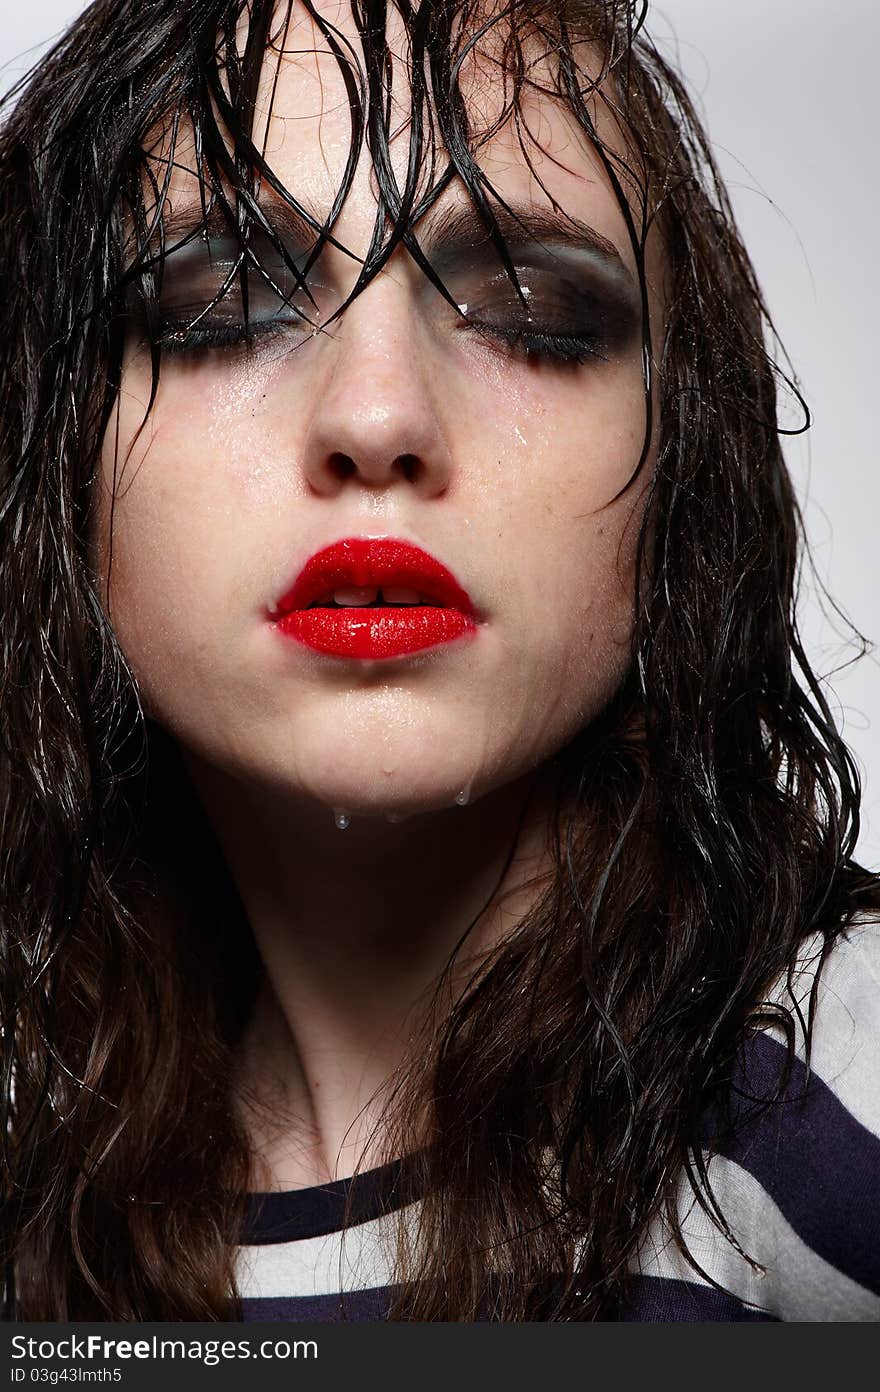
355 928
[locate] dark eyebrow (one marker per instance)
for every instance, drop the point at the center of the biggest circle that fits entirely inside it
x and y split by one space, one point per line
451 228
444 233
298 230
460 228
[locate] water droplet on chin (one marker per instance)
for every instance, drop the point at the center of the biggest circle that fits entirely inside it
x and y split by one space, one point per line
464 797
342 819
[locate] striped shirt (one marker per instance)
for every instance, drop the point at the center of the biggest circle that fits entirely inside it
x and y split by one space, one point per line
798 1184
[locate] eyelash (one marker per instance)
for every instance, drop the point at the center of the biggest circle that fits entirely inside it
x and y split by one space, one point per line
561 348
179 339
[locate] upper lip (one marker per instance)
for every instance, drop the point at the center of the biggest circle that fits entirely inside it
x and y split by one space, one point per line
368 561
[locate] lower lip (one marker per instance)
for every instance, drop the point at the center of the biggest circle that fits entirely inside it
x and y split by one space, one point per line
375 633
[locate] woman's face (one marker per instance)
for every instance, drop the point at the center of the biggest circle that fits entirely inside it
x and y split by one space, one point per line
402 425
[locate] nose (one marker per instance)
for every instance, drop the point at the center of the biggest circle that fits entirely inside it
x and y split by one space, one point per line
376 423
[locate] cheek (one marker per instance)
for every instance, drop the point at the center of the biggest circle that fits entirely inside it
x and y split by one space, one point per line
562 551
566 542
567 644
597 544
173 517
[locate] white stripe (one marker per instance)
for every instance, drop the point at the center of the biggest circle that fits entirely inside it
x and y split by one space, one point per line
846 1039
798 1285
321 1265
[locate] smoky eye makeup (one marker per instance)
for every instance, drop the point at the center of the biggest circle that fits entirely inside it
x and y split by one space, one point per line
577 306
212 295
574 307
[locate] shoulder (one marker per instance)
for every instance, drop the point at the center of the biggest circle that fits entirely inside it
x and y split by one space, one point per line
797 1179
844 1045
847 1029
809 1161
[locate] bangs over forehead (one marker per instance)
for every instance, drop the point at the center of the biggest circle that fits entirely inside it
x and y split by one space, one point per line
220 107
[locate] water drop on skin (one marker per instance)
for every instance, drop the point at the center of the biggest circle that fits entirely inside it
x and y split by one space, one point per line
463 798
342 819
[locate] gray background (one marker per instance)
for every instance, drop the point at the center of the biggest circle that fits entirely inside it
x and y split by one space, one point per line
787 90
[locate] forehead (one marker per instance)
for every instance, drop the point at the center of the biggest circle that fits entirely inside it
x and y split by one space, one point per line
527 143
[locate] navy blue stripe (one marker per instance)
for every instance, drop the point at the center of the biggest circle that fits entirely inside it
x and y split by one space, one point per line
818 1164
666 1300
294 1214
351 1307
652 1299
370 1304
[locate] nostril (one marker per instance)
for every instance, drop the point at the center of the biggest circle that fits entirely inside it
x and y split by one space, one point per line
342 466
409 467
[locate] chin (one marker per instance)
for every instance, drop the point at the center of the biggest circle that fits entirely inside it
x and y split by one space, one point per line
390 791
396 757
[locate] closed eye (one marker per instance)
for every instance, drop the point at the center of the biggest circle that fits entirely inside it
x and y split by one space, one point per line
561 318
208 299
534 342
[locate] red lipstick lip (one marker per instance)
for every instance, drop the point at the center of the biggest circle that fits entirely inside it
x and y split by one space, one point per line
369 632
366 561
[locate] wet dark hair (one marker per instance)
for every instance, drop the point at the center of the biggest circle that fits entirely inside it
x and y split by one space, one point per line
707 820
